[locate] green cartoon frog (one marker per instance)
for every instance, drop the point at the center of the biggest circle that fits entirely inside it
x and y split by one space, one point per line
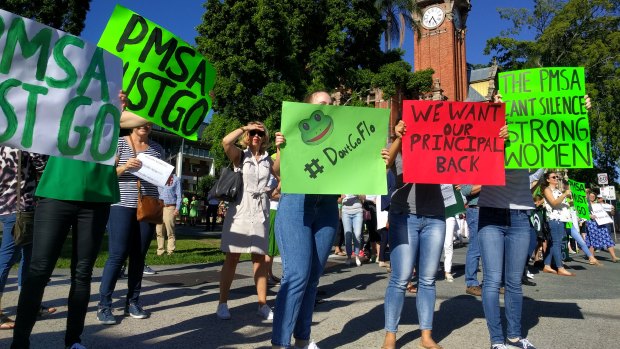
316 128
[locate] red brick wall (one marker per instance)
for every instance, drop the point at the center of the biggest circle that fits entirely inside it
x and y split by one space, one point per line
441 50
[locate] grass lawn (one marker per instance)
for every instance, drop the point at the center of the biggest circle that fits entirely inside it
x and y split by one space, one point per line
189 250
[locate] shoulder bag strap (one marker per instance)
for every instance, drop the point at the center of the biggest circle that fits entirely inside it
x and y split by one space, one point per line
18 200
133 151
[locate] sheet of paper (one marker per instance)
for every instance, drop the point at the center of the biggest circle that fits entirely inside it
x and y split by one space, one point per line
153 170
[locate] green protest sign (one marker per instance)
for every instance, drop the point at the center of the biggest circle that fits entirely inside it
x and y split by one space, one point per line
166 80
547 118
58 93
580 200
333 149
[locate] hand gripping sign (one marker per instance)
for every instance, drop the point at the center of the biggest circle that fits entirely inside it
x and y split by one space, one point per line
58 94
166 80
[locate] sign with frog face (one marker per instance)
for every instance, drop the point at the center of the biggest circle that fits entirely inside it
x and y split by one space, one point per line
333 149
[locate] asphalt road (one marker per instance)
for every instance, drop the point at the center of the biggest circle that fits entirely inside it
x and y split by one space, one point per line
560 312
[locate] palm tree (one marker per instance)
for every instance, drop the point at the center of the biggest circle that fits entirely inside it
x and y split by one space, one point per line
398 16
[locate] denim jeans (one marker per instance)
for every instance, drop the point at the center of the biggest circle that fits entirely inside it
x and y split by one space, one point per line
574 232
352 224
409 236
53 221
11 254
504 237
554 246
305 228
126 238
472 259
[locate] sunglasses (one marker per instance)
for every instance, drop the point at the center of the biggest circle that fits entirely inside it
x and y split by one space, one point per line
253 133
554 177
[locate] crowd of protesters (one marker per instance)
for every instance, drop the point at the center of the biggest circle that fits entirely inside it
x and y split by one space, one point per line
508 230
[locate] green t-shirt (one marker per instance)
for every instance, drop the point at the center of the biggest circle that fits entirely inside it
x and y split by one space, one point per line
75 180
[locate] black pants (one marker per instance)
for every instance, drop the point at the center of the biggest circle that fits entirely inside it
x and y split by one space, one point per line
53 220
212 215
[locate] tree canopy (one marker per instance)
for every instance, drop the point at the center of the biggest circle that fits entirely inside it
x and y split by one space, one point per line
573 33
269 52
66 15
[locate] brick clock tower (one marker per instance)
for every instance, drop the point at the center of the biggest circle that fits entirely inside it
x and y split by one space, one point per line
441 45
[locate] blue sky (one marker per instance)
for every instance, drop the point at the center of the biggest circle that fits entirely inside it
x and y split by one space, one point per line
184 16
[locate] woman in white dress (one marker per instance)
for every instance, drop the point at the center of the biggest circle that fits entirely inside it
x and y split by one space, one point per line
246 225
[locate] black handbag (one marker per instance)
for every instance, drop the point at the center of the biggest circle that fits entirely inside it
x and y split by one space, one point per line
23 230
228 186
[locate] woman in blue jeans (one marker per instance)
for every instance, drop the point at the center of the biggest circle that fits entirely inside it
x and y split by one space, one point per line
352 223
417 232
504 238
558 213
127 237
305 229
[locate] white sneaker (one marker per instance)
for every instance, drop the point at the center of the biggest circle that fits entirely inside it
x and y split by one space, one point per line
311 345
449 277
222 311
529 275
358 262
265 312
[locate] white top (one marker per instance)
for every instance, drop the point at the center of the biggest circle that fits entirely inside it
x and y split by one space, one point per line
560 213
514 195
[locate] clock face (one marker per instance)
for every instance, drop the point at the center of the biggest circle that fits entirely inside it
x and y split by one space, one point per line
433 17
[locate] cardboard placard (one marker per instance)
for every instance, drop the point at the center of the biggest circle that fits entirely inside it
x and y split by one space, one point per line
333 149
580 200
453 142
58 93
547 118
166 80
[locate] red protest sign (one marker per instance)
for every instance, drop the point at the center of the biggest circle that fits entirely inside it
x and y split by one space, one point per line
453 142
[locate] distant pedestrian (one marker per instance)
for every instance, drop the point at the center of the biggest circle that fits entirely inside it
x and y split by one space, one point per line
171 195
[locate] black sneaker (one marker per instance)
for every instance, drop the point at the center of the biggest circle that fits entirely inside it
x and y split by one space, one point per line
522 343
105 316
135 311
525 281
148 271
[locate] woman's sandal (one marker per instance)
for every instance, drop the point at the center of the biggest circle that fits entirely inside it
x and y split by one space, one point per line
6 323
411 288
45 311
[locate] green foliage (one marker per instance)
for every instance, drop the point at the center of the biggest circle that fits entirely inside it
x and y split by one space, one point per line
269 52
574 33
205 183
66 15
397 77
397 17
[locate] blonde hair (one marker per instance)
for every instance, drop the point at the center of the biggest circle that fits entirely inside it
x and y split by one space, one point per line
310 97
245 142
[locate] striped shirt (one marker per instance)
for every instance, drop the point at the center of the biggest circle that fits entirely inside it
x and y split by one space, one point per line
127 182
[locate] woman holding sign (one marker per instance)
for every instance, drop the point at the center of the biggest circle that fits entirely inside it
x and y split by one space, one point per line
417 232
305 229
597 235
246 225
127 237
74 196
558 214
